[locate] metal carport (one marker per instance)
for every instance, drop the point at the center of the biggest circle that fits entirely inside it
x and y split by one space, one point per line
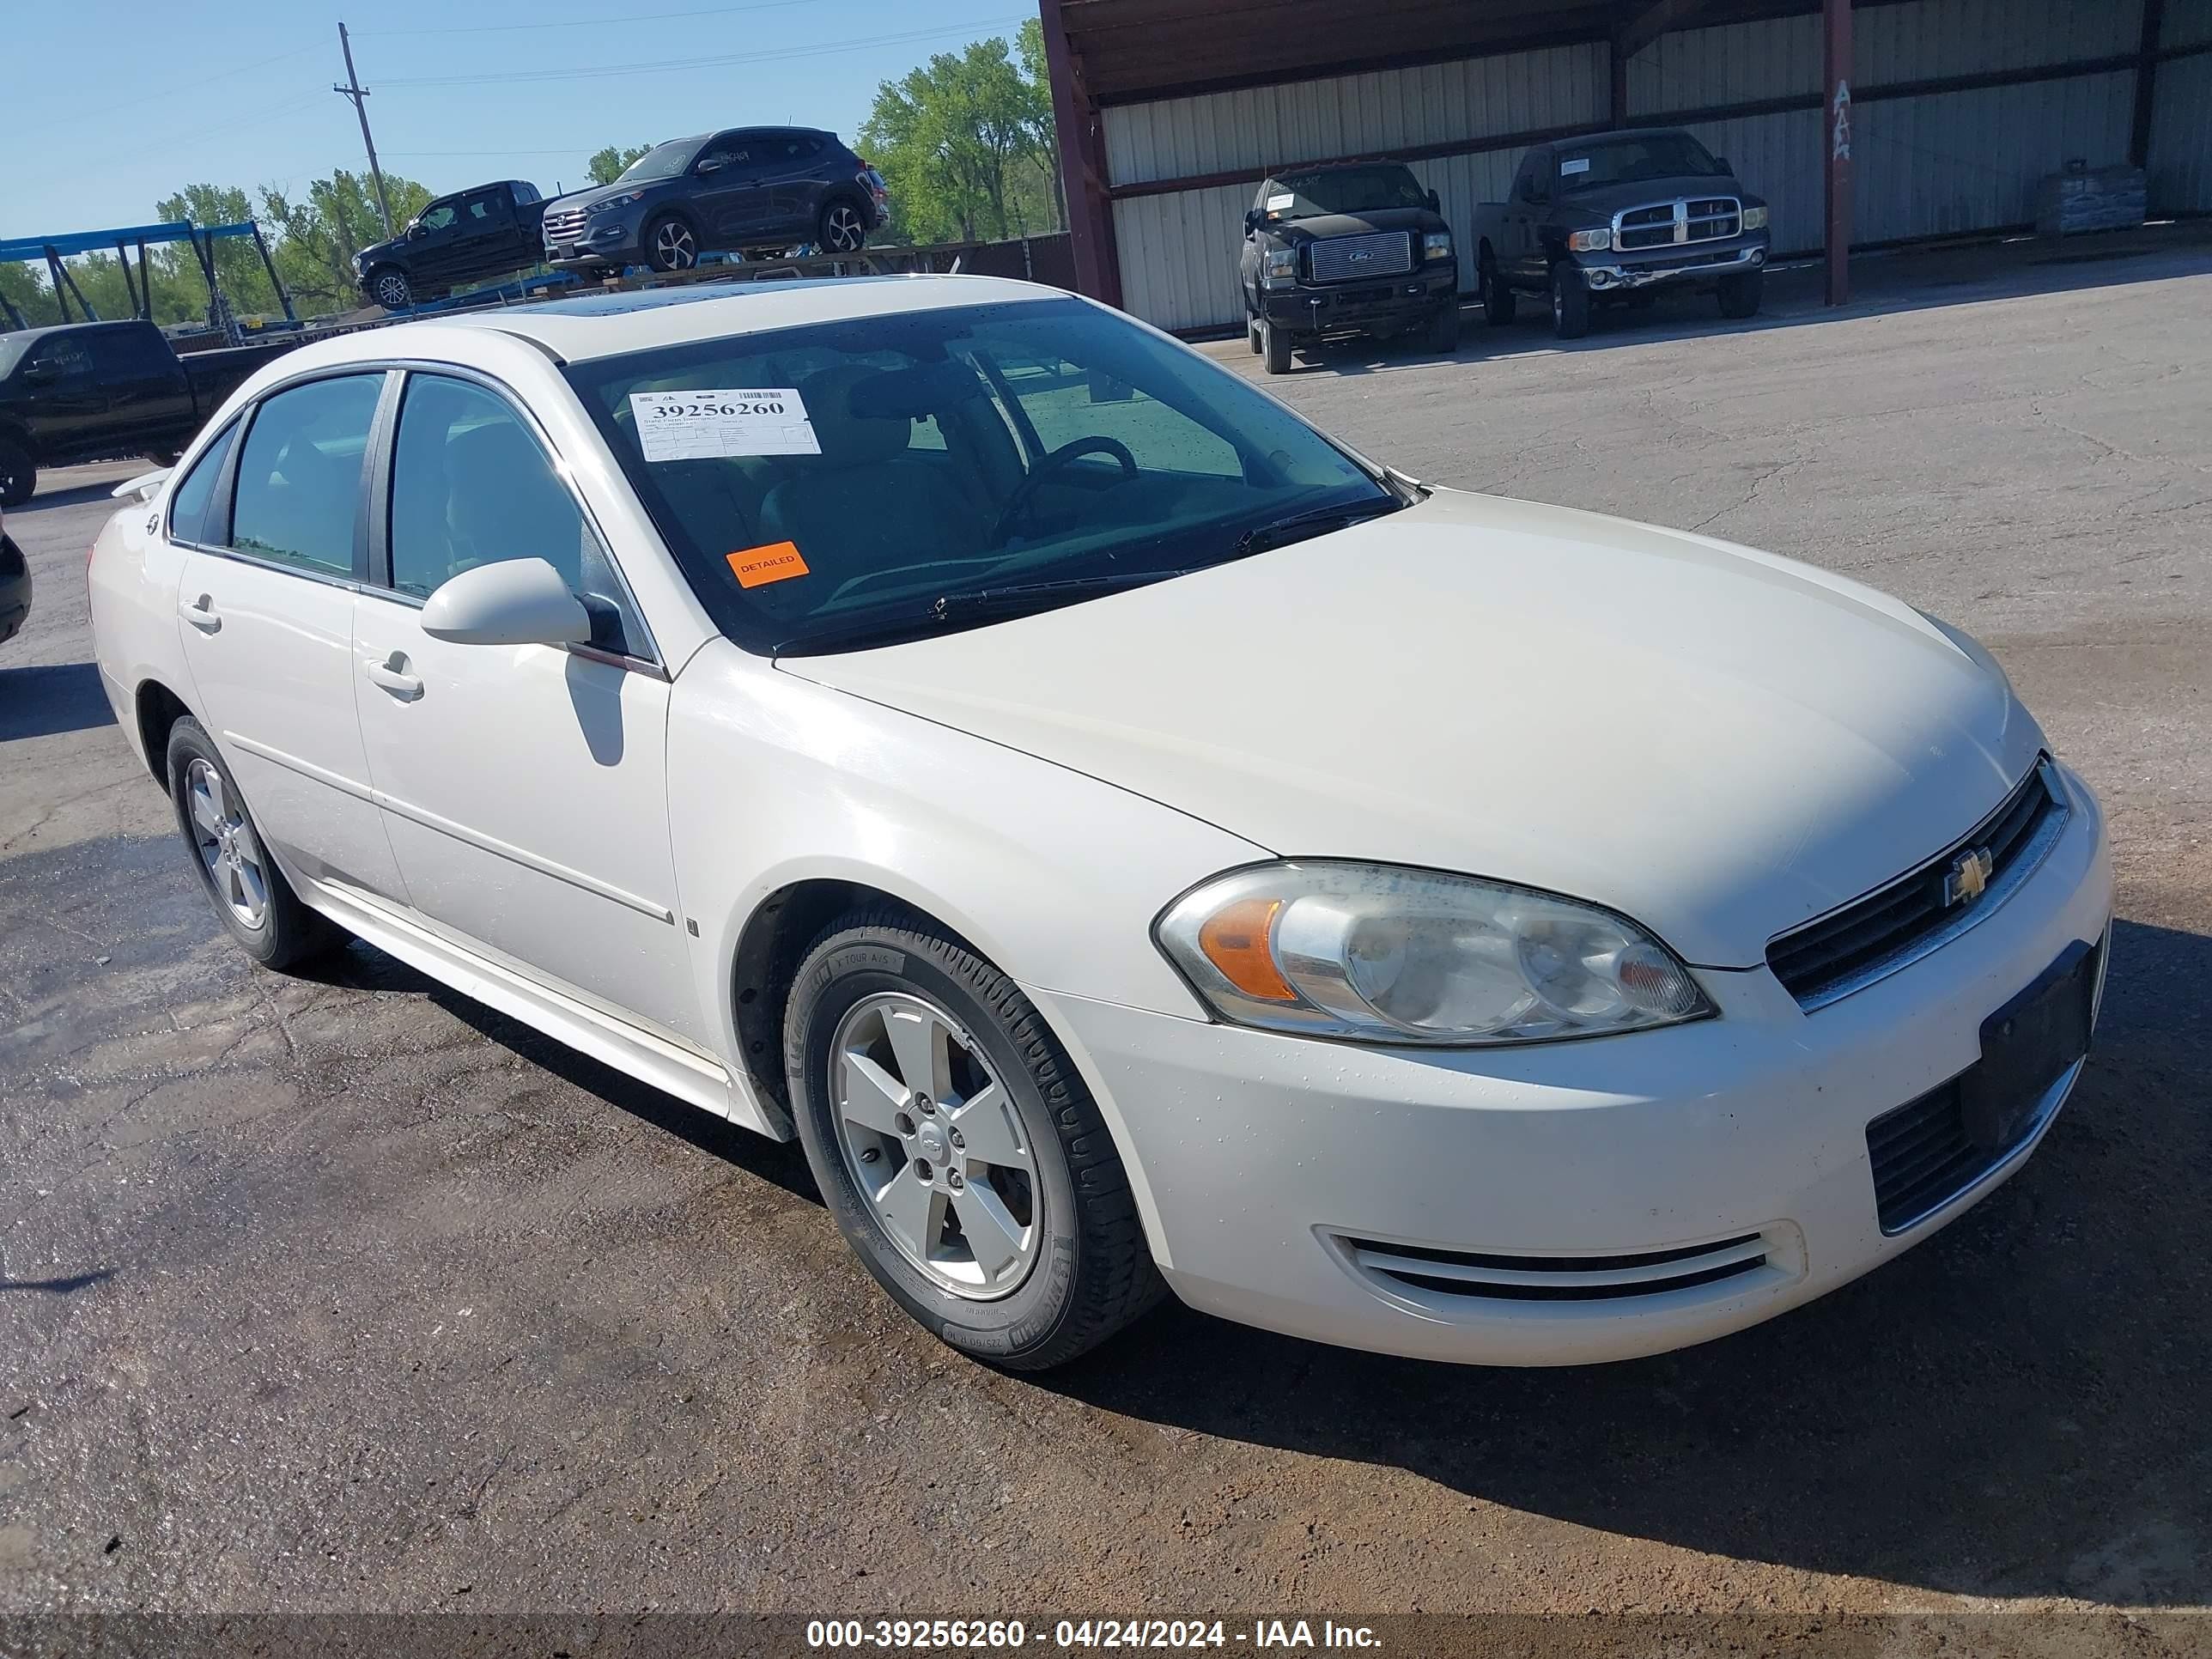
1954 111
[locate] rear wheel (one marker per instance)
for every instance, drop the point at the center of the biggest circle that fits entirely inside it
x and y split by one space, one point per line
19 473
1740 294
1274 348
255 904
1498 298
670 244
390 288
955 1143
1571 302
841 229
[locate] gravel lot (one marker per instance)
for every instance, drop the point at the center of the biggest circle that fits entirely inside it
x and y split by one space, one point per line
342 1293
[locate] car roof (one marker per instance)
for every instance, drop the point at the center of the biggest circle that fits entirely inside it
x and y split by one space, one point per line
593 326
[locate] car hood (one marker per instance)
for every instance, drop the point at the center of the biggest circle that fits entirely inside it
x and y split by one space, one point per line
1603 200
1715 742
369 255
589 198
1322 226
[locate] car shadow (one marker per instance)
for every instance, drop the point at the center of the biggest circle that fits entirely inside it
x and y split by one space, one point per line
76 495
2013 1408
40 700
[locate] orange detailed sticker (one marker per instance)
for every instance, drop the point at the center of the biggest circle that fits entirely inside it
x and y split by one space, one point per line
777 562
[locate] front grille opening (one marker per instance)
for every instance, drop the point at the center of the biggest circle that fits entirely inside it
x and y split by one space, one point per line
1893 925
1493 1277
1353 258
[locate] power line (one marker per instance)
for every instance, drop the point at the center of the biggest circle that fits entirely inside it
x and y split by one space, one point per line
668 65
590 22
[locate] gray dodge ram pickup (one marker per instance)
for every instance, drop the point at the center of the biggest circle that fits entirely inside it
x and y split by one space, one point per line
1615 217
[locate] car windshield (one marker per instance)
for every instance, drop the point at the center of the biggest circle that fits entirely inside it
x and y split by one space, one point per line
661 161
1341 190
1631 160
828 486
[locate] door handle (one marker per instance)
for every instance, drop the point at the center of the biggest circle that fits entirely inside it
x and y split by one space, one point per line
202 614
392 674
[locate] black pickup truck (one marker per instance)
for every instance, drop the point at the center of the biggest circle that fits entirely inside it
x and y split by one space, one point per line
91 391
491 230
1353 249
1616 217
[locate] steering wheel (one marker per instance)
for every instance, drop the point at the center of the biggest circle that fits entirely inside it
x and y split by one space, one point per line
1018 504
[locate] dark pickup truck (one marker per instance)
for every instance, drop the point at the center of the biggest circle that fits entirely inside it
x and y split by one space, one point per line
1355 249
491 230
91 391
1614 218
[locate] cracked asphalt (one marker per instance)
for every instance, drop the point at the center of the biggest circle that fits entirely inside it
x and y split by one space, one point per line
339 1292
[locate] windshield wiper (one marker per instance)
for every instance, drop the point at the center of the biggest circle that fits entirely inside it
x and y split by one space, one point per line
1039 596
1315 521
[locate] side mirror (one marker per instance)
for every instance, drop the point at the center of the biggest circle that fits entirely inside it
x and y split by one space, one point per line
46 369
1252 220
710 164
1436 203
515 602
417 230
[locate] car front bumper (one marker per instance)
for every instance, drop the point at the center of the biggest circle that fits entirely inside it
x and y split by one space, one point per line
1394 300
1258 1159
604 241
1617 272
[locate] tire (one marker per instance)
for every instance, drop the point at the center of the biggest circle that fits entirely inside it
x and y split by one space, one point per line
1740 294
1499 300
1079 1269
842 227
19 474
1571 302
1442 335
389 287
670 244
1274 348
238 874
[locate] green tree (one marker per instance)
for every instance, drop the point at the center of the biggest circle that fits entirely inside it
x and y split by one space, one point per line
238 265
607 166
958 140
318 236
1030 42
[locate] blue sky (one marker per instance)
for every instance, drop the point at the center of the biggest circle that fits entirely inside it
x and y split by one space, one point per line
161 98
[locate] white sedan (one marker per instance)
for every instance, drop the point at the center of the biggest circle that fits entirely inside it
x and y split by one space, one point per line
1135 842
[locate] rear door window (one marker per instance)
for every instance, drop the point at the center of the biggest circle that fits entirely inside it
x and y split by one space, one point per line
298 499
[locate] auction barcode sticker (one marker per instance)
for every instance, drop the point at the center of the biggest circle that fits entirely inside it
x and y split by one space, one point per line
707 425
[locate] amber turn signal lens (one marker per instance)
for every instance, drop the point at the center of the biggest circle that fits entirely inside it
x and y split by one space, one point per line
1235 940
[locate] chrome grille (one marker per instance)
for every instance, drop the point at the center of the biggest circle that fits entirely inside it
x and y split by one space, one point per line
1672 224
1899 923
564 227
1355 259
1470 1274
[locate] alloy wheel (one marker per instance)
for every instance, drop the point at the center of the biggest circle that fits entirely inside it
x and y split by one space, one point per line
227 846
936 1146
843 229
391 292
673 247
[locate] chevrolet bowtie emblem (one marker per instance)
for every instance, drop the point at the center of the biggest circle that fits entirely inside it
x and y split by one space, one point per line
1968 875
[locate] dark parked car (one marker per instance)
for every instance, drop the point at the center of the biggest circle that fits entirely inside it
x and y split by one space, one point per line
487 231
14 586
746 189
88 392
1614 218
1343 250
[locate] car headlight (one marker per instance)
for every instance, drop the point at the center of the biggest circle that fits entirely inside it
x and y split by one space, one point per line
1590 241
1755 218
1435 245
1378 953
614 202
1279 267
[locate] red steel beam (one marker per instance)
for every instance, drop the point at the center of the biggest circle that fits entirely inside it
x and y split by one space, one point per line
1082 163
1836 85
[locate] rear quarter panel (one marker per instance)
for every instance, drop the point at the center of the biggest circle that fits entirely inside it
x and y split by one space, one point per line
132 589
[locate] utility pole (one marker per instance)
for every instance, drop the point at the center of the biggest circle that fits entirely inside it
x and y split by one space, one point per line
353 90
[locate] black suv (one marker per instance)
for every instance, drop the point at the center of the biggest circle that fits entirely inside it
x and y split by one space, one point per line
1346 249
749 189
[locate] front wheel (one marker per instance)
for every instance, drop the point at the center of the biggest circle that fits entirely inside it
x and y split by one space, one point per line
1274 348
1571 302
671 246
1499 302
958 1148
1740 294
841 229
19 473
391 289
255 904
